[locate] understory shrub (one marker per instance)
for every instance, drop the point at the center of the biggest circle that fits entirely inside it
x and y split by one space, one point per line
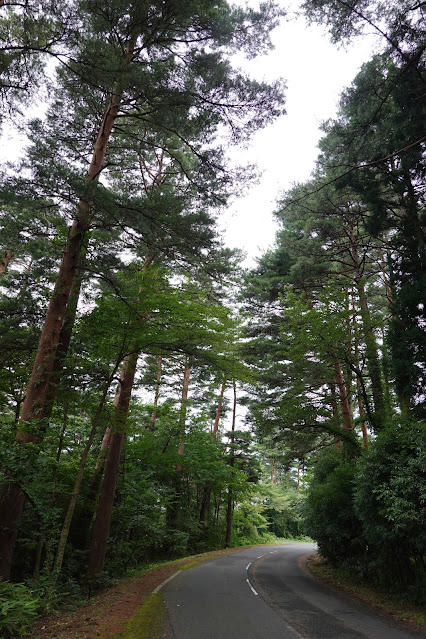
369 514
390 500
330 516
19 606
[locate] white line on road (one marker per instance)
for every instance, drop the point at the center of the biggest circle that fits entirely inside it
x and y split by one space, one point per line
166 581
260 556
248 566
251 587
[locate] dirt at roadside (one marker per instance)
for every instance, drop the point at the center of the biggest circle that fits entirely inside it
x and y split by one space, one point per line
104 616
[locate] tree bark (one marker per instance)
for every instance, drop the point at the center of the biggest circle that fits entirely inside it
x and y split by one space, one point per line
371 352
12 498
219 408
157 393
77 484
102 523
63 344
4 261
343 395
173 507
183 411
205 506
335 412
230 509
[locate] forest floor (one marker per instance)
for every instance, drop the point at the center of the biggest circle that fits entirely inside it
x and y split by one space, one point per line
109 614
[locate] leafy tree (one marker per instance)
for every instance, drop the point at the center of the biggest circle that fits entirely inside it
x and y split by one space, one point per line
390 502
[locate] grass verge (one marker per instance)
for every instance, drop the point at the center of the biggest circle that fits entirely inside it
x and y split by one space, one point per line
148 621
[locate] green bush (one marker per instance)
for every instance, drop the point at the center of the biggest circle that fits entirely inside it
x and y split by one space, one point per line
330 515
19 607
390 500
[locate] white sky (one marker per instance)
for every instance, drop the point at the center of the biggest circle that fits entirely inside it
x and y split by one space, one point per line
315 72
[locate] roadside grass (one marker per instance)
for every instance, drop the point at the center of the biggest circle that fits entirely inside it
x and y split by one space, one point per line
148 621
386 602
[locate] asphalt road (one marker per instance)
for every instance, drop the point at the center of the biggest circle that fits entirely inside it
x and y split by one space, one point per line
266 593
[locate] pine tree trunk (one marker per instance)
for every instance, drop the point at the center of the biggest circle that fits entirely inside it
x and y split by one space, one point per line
102 523
230 508
12 499
362 414
219 409
205 506
4 261
157 393
63 345
335 412
77 484
183 411
343 395
173 507
371 352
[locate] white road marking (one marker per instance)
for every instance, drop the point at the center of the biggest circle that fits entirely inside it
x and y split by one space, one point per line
248 566
251 588
260 556
166 581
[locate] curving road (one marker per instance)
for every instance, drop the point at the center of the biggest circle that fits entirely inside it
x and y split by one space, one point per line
265 593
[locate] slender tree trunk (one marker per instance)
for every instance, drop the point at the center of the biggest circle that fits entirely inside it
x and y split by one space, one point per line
272 464
358 376
173 508
183 411
12 498
335 413
4 261
343 395
77 484
219 408
37 565
102 523
362 414
157 392
371 352
205 506
230 508
63 429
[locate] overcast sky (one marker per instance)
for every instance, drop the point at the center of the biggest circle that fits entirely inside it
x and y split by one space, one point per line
315 72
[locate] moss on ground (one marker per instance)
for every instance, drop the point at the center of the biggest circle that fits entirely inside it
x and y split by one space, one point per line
148 621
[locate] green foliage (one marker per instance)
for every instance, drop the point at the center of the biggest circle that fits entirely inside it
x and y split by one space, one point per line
283 510
19 607
390 500
249 524
369 516
330 514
